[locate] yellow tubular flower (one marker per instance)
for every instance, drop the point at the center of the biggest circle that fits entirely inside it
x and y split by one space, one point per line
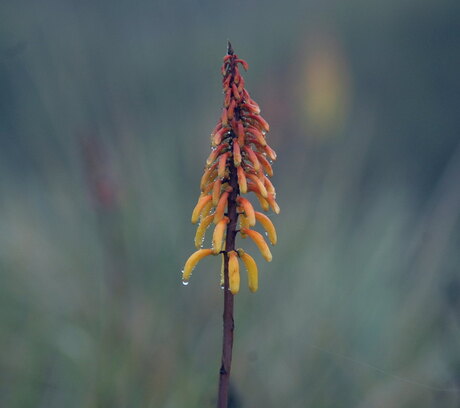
256 180
244 223
202 201
216 191
220 209
206 209
248 210
268 226
260 242
208 175
233 272
252 157
201 230
251 267
265 164
222 165
218 235
268 185
192 261
273 204
236 154
243 185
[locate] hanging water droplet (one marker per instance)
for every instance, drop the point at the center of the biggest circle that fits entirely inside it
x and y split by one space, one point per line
185 283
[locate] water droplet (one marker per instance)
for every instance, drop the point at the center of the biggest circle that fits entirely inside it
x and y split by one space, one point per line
185 283
222 287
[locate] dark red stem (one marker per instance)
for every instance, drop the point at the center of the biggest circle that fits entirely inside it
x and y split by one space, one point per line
227 344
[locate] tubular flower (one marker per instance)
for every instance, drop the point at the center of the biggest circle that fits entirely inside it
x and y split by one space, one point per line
240 163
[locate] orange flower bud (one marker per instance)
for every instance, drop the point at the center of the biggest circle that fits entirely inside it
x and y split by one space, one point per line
251 267
220 209
260 185
192 261
252 157
248 210
231 109
222 164
233 272
236 154
201 230
242 180
240 134
260 242
257 134
265 164
216 191
268 226
199 206
243 63
235 92
218 235
273 204
224 118
218 136
215 153
270 152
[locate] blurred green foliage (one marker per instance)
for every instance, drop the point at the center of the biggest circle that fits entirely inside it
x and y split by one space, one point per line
105 112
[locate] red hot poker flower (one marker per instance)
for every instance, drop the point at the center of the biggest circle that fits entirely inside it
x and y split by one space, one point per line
239 163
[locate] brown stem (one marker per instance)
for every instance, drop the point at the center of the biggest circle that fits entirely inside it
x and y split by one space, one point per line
227 344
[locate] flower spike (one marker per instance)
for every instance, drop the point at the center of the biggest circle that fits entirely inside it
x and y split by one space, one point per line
240 163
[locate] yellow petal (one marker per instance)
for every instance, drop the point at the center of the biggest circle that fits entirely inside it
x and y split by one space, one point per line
192 262
233 272
270 152
201 230
251 267
208 176
268 226
242 180
248 210
220 208
273 203
260 184
218 235
202 201
265 164
206 209
216 191
244 223
260 242
252 157
236 154
222 165
268 185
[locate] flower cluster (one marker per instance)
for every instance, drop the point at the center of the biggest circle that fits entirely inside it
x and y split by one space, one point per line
239 163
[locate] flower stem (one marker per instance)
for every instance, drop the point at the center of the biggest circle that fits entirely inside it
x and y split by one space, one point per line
227 344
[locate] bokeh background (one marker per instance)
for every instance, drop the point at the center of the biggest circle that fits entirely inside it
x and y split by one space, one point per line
105 113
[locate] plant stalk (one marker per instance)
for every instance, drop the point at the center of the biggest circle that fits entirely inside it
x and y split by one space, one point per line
227 343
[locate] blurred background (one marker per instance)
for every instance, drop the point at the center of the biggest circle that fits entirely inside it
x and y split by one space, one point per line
105 114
